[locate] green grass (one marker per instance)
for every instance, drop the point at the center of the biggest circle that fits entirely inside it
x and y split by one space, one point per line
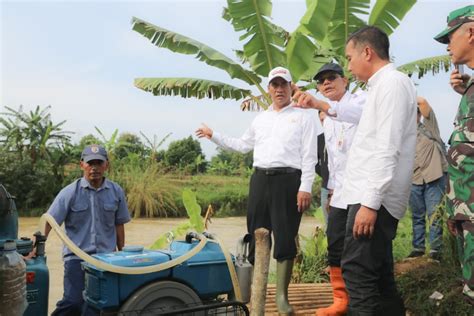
402 244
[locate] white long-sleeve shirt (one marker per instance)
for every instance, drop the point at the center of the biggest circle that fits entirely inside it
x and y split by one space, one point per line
380 163
339 135
285 138
339 111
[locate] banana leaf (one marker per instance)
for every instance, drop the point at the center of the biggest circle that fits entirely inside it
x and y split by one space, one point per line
422 66
181 44
191 87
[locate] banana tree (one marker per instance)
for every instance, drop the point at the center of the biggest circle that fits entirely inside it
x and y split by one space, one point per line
32 132
319 38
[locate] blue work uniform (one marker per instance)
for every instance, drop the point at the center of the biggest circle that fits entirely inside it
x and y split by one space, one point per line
90 216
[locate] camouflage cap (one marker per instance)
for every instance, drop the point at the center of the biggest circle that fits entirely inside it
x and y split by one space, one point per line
455 19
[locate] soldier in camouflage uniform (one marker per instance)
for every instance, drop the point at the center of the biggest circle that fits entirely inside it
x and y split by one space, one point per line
459 35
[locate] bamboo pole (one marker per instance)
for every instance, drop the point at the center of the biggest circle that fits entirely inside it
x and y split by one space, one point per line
260 273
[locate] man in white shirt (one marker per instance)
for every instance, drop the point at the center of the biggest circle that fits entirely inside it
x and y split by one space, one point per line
284 143
342 106
378 175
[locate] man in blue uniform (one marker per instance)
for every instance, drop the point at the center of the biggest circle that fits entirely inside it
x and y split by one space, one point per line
94 211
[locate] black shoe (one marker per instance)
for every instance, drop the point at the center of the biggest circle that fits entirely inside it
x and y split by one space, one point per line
416 253
435 255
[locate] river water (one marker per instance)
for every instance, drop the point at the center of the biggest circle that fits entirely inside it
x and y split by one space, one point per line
141 232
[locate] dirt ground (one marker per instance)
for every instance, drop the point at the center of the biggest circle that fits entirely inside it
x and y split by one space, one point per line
141 232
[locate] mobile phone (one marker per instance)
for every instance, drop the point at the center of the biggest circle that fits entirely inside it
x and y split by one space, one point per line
459 68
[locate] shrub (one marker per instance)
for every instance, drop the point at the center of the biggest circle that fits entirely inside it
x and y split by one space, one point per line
34 186
149 192
311 261
227 195
230 163
183 154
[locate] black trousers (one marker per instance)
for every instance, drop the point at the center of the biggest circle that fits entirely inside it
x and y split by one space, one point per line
367 267
272 205
336 232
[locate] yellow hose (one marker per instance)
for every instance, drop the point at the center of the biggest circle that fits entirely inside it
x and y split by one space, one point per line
113 268
232 272
140 270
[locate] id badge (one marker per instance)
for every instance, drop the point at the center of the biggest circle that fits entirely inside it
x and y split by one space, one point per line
340 141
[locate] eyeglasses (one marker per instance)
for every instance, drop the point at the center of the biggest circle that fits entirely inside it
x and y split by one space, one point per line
330 78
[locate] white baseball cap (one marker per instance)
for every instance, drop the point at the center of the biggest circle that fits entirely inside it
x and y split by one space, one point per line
279 72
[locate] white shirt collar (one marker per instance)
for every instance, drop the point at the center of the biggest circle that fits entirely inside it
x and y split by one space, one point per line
271 108
345 97
376 77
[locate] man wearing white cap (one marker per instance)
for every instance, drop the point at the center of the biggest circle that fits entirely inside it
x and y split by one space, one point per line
284 143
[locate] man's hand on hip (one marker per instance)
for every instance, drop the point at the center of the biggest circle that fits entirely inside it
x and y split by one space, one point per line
303 200
364 222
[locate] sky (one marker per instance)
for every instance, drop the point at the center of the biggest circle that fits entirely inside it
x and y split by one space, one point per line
81 57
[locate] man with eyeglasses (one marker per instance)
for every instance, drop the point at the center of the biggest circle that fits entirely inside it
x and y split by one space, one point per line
343 110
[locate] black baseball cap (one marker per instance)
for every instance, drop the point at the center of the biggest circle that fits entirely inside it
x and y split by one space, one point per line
329 67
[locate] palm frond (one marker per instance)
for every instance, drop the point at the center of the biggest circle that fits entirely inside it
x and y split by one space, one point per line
317 18
264 49
191 87
387 14
346 20
299 48
422 66
181 44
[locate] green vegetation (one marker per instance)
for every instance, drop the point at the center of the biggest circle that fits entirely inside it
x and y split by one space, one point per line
417 284
320 37
417 279
195 222
37 159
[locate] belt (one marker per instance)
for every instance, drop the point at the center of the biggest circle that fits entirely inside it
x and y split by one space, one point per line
275 171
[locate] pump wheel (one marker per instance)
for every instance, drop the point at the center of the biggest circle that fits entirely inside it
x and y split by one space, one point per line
159 297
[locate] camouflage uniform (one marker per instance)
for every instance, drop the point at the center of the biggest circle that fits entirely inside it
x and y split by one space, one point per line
460 190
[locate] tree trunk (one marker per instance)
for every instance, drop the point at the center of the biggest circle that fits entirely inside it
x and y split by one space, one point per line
260 273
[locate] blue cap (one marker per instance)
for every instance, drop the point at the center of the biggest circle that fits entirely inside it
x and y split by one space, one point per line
94 152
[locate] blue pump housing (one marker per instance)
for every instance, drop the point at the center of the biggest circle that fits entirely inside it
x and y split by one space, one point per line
37 286
206 273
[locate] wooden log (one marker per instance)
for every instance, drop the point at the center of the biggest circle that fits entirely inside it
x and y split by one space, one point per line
260 272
